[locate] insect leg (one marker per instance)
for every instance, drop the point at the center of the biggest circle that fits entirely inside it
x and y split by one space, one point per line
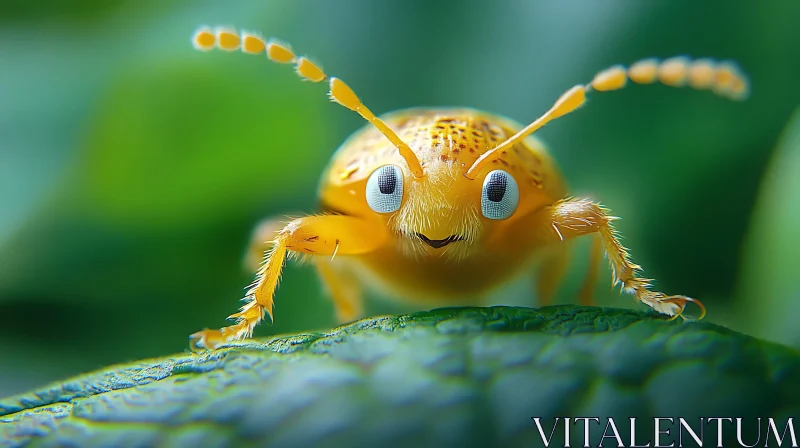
343 288
551 273
571 218
261 241
314 235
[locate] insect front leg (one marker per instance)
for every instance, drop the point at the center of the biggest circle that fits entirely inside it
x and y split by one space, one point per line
571 218
314 235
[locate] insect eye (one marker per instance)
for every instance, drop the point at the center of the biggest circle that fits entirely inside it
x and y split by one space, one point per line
385 189
500 195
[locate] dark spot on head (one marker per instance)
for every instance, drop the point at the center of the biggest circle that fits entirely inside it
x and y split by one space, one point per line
444 158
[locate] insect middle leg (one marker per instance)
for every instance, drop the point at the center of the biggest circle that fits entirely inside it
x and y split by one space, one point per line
551 273
315 235
343 288
571 218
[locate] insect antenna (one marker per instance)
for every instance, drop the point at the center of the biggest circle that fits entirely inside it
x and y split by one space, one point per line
225 38
722 78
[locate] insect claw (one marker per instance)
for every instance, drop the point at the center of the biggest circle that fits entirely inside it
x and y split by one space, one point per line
675 316
681 302
206 339
699 304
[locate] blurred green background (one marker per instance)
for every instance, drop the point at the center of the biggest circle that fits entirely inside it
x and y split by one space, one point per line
133 168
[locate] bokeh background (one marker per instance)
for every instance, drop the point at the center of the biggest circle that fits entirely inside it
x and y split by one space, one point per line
133 168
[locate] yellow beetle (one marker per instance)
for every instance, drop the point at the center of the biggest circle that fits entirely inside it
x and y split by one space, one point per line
444 205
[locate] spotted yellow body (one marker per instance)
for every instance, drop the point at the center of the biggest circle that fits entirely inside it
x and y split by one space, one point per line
441 206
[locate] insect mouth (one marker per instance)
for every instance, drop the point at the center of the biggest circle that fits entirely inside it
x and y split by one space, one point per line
437 244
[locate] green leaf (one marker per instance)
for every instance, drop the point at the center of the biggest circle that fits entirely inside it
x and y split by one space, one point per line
455 377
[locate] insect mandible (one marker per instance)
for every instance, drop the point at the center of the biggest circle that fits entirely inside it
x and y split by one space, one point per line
444 205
